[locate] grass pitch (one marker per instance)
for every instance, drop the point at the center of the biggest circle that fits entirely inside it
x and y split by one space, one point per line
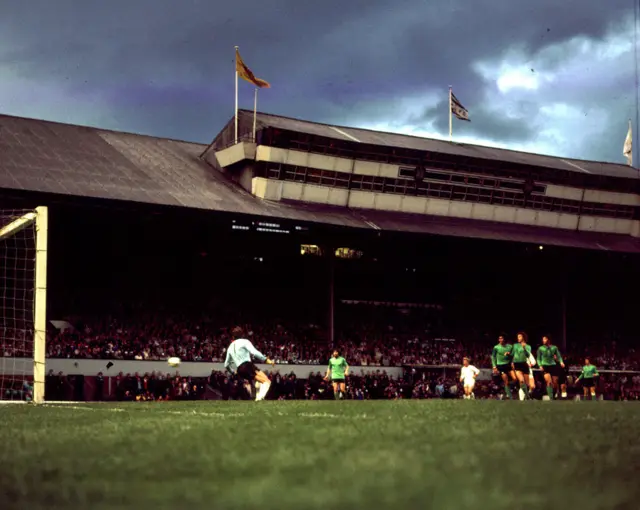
308 455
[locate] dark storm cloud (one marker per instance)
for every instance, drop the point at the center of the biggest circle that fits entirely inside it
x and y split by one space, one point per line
166 68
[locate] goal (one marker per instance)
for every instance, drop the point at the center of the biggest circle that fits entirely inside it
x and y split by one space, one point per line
23 302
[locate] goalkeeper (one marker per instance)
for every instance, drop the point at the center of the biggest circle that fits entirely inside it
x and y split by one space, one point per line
238 360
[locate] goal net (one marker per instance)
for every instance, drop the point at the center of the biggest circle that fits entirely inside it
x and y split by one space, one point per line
23 294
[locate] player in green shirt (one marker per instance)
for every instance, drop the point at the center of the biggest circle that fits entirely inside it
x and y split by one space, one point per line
550 361
522 361
587 376
501 363
338 369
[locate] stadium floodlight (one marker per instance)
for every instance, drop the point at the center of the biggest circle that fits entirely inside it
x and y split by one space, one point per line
23 304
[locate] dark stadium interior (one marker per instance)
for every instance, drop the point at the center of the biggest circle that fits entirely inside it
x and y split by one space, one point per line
108 257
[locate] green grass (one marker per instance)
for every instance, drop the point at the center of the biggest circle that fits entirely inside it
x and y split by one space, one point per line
307 455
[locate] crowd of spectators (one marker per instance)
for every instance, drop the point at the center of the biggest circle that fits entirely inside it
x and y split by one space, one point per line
380 335
153 386
367 335
378 385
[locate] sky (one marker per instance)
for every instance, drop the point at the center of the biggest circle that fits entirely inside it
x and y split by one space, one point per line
545 76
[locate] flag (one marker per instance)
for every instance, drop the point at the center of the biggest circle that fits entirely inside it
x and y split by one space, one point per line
245 73
458 110
627 148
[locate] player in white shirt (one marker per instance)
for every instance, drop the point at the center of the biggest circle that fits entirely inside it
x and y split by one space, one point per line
532 380
238 361
468 375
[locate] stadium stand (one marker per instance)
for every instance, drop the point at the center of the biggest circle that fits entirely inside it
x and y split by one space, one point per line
52 158
137 217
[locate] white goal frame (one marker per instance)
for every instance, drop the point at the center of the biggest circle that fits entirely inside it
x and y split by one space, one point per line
39 217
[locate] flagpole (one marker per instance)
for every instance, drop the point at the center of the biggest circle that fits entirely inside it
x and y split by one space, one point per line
450 119
236 109
255 113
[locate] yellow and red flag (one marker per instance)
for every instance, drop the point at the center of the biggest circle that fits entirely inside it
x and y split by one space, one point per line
246 74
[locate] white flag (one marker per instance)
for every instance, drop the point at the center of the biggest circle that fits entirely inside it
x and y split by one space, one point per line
627 149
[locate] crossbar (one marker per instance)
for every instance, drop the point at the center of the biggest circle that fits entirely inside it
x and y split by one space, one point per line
17 225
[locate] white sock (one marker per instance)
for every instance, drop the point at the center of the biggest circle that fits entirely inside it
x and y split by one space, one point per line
262 392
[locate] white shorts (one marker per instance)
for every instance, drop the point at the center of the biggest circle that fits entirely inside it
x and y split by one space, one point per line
469 383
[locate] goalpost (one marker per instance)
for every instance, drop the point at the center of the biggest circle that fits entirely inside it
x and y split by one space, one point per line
23 304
